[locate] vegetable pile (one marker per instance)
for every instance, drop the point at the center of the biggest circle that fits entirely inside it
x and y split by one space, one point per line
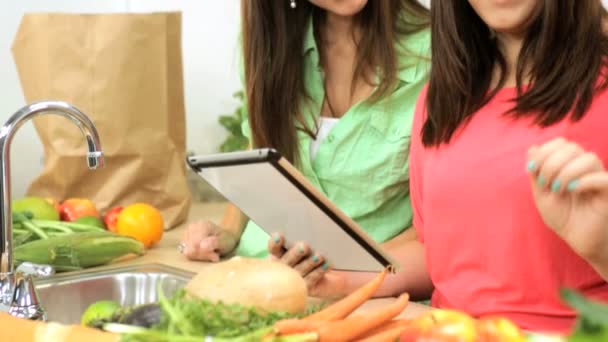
189 319
27 229
185 318
49 218
68 236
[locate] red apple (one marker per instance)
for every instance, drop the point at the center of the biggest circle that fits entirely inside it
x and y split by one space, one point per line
111 217
75 208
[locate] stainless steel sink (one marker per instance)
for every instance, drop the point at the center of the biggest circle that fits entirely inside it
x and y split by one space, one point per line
66 296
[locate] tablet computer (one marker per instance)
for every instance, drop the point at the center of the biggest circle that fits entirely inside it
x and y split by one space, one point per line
279 199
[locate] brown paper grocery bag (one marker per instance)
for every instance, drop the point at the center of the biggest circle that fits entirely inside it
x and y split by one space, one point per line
125 72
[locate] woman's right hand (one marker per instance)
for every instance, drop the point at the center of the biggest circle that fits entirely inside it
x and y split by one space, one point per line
321 281
206 241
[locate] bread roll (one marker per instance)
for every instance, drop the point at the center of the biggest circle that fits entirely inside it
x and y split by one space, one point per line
265 284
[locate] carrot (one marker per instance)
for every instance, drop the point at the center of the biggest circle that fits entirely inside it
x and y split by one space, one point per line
306 337
350 328
388 335
396 323
350 303
296 326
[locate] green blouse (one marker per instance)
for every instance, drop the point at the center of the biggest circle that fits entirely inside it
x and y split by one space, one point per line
362 165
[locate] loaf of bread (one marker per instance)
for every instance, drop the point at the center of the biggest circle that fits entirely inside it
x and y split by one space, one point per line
23 330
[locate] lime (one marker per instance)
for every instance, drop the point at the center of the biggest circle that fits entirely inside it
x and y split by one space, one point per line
39 207
91 221
103 309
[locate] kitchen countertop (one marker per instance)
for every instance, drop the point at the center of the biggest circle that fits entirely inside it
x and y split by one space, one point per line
166 253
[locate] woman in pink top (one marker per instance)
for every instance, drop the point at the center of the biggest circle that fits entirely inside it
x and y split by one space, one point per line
510 139
515 86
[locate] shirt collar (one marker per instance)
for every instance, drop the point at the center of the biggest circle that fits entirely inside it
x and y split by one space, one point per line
411 50
310 43
407 73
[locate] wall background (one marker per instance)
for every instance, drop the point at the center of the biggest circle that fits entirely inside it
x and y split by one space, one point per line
210 30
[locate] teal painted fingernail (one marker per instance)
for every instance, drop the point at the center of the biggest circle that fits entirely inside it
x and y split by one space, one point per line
572 185
531 165
276 239
541 180
300 249
325 266
315 258
556 185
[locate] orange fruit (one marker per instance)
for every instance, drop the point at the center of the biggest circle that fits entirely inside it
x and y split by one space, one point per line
142 222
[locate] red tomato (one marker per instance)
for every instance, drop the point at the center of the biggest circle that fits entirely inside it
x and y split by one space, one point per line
111 217
75 208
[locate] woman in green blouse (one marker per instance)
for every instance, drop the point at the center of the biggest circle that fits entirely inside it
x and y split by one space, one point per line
331 85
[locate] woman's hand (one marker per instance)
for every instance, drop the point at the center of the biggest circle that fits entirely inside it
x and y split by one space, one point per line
206 241
570 187
321 282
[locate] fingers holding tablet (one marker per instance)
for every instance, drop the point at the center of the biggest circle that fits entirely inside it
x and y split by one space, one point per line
276 247
311 266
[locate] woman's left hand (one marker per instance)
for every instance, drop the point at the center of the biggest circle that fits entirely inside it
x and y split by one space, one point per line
570 187
320 280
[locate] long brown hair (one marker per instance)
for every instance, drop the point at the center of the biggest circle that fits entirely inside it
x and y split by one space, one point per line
563 54
273 38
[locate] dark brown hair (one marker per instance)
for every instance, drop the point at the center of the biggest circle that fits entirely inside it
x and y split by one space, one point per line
563 54
273 38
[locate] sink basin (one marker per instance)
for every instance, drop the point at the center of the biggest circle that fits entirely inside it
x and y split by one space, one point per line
66 296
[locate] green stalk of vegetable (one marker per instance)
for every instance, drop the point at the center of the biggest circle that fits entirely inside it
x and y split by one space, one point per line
175 316
27 223
22 238
207 318
43 229
592 321
18 231
68 227
58 228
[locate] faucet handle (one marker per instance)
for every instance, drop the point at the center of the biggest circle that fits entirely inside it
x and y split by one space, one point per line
25 302
35 270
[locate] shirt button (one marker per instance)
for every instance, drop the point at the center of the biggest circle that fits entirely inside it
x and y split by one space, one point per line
330 138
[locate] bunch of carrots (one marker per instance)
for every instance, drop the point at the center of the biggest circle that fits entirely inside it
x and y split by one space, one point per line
334 323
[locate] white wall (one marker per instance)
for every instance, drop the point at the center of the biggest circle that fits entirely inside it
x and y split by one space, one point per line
210 30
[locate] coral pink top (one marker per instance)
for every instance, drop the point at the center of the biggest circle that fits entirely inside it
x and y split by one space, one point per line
488 251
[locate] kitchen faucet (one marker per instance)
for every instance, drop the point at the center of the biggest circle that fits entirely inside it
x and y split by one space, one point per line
17 292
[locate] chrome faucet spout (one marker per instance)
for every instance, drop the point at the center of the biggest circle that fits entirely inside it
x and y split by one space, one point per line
94 158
